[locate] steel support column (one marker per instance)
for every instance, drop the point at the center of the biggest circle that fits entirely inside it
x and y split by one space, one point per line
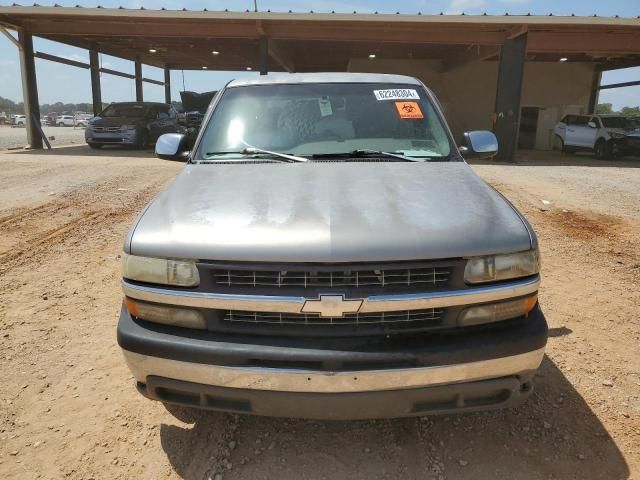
595 91
509 89
264 55
96 90
167 85
29 88
138 73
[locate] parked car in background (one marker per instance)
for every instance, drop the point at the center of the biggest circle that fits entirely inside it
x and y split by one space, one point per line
601 134
3 118
195 106
82 119
65 121
136 124
328 253
19 120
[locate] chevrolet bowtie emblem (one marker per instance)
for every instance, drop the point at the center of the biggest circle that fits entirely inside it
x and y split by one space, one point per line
331 306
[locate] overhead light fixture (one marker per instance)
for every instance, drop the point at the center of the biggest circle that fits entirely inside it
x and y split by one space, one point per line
215 52
152 50
372 55
205 68
564 59
249 69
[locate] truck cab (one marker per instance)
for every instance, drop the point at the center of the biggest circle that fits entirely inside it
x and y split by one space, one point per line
326 252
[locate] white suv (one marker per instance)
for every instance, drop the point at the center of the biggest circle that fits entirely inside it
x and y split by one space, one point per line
595 133
66 121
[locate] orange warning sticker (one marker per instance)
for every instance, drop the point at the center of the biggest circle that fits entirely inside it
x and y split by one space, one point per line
409 110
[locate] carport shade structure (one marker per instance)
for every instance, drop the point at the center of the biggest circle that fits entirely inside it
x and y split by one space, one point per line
303 42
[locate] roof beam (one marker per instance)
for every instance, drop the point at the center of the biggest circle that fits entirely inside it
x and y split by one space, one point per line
374 32
475 53
579 42
615 64
65 61
620 85
11 38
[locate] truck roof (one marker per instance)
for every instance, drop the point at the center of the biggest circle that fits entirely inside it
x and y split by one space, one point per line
329 77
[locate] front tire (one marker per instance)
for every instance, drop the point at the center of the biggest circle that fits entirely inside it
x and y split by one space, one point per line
143 140
603 150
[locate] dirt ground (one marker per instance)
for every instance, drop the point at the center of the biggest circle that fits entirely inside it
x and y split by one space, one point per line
68 408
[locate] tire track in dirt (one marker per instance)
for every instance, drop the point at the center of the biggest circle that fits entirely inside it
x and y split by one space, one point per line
21 213
113 206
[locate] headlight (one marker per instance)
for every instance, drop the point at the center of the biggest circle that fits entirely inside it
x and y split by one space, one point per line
502 267
496 312
166 315
617 135
182 273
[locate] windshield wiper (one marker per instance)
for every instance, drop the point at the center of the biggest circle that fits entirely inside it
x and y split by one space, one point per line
291 158
283 157
364 152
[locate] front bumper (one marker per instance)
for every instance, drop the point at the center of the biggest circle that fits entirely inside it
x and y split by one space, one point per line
453 398
628 146
110 138
337 378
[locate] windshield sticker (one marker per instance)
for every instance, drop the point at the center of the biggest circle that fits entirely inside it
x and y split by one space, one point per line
409 110
397 94
325 106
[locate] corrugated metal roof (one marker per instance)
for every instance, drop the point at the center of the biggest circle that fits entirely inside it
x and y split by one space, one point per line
333 12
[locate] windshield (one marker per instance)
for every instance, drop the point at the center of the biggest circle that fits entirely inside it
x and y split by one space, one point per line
125 110
323 119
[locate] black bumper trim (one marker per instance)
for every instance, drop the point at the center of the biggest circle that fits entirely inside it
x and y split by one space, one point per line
482 395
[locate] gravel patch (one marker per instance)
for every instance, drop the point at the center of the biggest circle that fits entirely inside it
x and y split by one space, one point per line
16 137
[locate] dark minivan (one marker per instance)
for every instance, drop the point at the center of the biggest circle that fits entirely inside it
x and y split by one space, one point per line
137 124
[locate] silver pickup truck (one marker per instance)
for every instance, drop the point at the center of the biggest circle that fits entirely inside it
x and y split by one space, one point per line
326 252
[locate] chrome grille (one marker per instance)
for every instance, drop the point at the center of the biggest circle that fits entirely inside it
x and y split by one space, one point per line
419 277
431 316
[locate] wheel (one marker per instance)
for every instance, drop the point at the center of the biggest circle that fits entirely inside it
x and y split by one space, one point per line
60 124
603 150
95 146
143 140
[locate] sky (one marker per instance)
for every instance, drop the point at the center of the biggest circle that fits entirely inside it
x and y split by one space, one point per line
67 84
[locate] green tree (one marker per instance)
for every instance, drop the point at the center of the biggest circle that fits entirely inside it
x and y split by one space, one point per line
604 108
630 111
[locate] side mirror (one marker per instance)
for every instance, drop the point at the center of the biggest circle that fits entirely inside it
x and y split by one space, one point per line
172 146
479 144
592 124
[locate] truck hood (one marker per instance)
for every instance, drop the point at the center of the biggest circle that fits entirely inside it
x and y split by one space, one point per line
328 212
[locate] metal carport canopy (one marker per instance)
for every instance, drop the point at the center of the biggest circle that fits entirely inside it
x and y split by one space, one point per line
321 41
